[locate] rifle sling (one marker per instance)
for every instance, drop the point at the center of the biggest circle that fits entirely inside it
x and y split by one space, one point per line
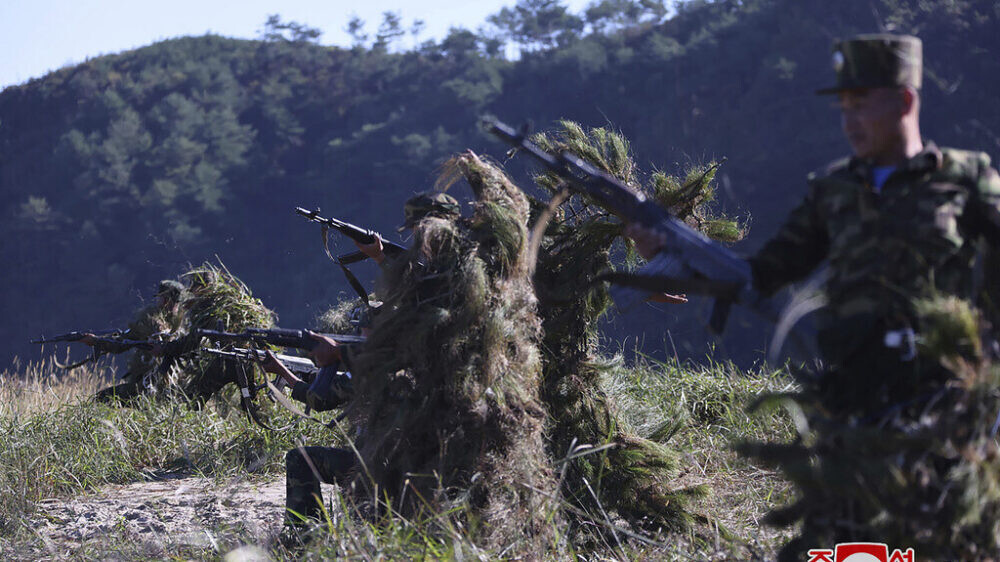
351 279
280 398
659 284
72 366
246 397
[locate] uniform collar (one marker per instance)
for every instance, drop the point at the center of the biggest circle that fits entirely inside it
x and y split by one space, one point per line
927 160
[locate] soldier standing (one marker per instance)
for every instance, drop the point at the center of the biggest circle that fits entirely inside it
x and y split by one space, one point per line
898 220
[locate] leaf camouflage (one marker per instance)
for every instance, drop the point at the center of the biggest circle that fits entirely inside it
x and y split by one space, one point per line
925 474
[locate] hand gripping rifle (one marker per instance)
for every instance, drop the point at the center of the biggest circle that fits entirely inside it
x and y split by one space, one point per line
356 233
689 263
297 339
316 377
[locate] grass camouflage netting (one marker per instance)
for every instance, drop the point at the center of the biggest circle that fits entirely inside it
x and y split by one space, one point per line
635 477
461 404
216 296
215 300
337 319
925 474
447 386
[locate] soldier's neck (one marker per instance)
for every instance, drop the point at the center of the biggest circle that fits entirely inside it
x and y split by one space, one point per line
910 144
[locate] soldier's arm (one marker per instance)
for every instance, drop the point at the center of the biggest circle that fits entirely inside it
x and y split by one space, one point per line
983 217
326 393
329 390
798 247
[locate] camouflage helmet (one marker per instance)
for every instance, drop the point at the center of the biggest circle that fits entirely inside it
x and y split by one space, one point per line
435 203
879 60
170 289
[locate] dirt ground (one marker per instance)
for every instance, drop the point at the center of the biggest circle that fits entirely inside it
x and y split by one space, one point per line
169 515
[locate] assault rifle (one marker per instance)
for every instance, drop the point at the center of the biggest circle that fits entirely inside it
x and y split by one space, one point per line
300 366
316 377
356 233
109 337
689 263
297 339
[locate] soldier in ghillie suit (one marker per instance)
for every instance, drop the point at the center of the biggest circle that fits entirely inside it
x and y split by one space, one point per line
159 320
447 384
899 442
307 467
215 300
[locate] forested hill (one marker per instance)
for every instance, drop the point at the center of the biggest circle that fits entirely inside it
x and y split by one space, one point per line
118 171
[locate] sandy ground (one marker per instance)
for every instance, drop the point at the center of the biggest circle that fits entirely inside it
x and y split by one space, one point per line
160 517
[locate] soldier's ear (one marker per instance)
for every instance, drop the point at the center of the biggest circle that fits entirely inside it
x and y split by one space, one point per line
910 99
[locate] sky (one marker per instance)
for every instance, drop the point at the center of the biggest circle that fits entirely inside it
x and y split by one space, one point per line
37 36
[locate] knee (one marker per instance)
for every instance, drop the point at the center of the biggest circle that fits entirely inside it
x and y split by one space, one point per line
294 461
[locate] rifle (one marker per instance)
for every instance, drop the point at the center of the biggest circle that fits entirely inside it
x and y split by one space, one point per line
356 233
107 336
314 376
300 366
297 339
689 263
110 337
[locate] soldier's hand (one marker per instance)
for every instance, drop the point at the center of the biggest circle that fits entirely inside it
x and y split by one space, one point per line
648 242
374 250
326 352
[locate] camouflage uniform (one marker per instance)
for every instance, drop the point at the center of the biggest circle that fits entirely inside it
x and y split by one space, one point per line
307 467
918 235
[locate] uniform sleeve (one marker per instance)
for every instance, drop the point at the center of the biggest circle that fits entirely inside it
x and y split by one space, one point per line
328 391
983 211
798 247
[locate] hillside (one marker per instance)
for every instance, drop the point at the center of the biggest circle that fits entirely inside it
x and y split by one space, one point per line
116 172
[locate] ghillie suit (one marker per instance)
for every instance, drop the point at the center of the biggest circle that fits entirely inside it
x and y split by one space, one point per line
632 477
447 386
216 300
922 473
161 319
337 319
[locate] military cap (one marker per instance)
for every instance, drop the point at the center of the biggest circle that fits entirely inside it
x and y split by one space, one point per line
428 204
878 60
171 288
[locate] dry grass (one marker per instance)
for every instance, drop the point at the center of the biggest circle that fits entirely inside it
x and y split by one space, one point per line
58 444
34 387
